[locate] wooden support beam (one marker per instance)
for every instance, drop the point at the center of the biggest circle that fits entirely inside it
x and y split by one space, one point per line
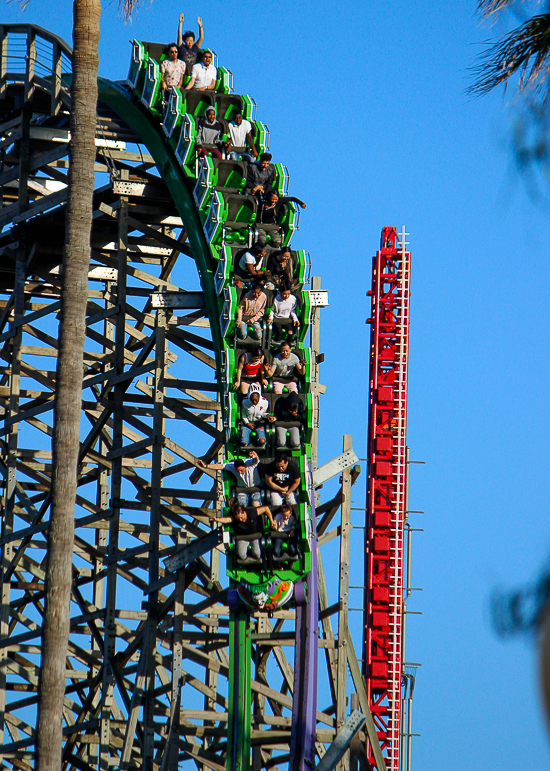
8 501
343 601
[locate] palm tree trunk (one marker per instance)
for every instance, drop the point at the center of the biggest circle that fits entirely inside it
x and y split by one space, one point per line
68 397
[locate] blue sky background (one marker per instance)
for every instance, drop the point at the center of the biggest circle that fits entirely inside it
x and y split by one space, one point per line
366 106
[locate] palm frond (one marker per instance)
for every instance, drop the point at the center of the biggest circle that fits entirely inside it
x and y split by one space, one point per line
525 50
490 7
127 8
522 610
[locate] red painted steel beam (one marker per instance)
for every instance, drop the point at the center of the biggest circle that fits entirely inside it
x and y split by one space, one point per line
384 532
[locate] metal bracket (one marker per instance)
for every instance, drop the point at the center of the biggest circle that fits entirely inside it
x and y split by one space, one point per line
341 744
318 298
177 300
196 549
333 467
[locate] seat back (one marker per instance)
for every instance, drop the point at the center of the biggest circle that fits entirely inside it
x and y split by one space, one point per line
227 104
196 102
231 174
241 208
156 51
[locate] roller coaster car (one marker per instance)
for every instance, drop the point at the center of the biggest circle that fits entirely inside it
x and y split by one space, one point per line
229 211
144 76
218 174
303 423
271 582
228 270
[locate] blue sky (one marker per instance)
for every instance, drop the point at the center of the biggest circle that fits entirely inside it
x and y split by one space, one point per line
366 106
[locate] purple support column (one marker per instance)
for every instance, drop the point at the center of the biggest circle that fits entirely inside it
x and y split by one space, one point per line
304 705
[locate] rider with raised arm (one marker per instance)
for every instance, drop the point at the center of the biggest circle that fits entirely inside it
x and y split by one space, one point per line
245 523
245 472
188 50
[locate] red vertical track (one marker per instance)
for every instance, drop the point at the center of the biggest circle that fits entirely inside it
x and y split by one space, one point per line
389 353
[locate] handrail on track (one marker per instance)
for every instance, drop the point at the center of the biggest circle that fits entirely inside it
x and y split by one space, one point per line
39 60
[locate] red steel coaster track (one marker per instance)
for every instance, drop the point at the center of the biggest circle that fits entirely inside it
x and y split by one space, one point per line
387 446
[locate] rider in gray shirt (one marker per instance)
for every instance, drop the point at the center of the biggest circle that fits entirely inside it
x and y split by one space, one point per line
284 365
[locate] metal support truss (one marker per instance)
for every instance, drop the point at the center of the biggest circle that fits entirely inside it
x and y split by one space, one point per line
386 494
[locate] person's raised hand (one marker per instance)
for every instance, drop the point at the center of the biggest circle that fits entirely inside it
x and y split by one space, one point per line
201 463
181 18
199 20
303 205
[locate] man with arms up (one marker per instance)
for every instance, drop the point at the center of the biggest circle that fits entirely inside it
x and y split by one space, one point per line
247 476
188 50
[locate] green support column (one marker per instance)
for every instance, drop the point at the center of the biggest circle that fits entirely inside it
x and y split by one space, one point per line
240 693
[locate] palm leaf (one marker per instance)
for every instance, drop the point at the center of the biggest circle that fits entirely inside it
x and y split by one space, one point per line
490 7
524 51
127 8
